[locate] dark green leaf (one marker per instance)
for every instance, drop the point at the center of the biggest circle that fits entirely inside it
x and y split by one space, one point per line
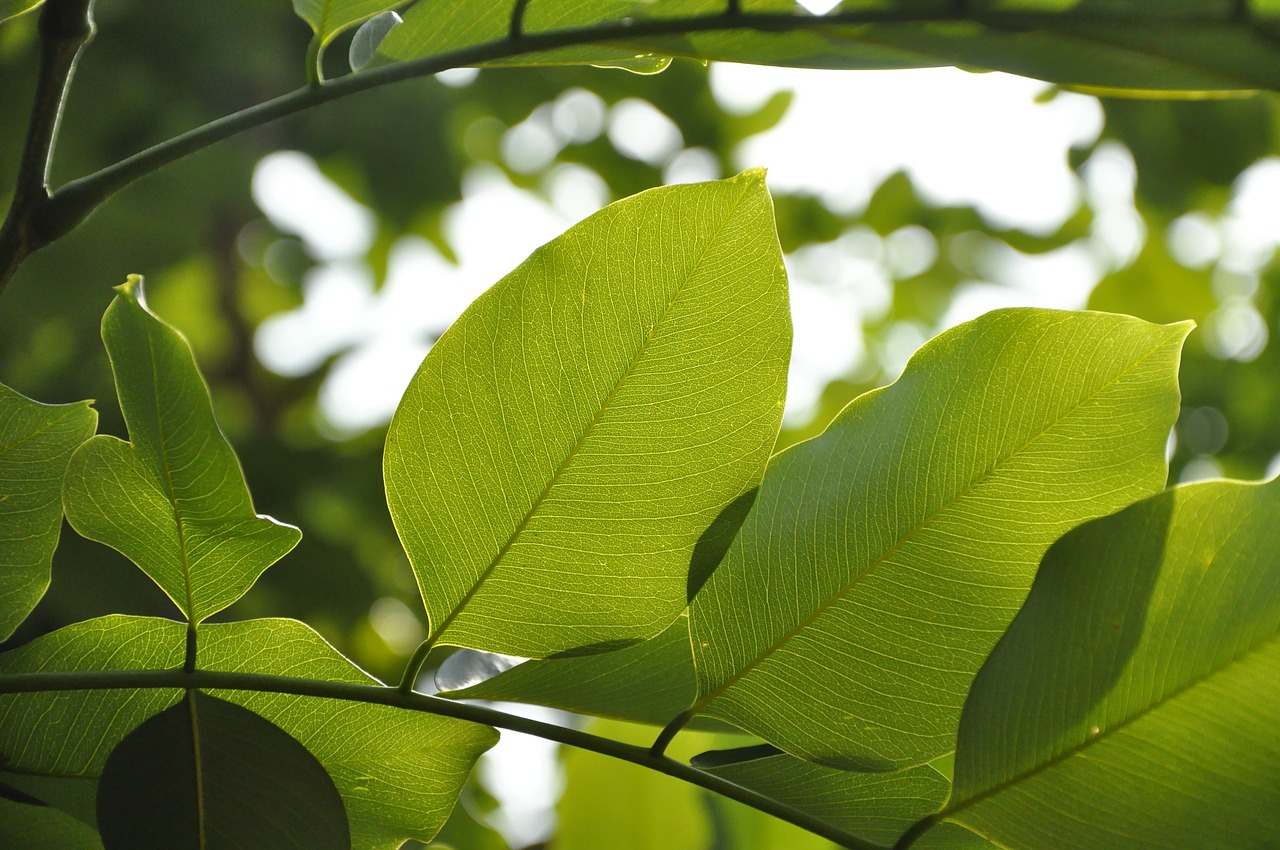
564 445
14 8
206 773
173 500
36 442
883 559
398 772
1133 701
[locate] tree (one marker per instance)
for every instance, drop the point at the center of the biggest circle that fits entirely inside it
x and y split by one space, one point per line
980 558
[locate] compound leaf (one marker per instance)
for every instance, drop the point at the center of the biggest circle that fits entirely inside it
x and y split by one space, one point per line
399 772
883 559
1132 703
565 444
36 442
173 500
207 773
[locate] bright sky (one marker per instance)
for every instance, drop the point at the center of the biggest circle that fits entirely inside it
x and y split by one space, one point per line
963 138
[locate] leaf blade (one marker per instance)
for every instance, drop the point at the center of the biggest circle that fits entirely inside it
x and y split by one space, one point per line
585 448
1162 625
901 542
174 499
36 443
208 772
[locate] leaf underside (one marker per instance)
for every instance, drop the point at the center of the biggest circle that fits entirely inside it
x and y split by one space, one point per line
565 444
36 442
174 499
1132 703
883 559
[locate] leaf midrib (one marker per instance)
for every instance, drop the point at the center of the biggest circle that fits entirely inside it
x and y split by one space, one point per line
1104 734
738 675
461 605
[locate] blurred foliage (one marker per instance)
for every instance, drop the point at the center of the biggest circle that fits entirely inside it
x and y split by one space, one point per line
217 269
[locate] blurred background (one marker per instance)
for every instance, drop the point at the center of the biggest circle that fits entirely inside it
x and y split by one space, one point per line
312 263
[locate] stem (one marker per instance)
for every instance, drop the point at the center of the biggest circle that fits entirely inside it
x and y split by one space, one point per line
669 731
72 203
380 695
415 665
66 26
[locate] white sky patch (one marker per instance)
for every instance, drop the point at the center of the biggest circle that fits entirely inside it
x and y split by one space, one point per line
289 187
963 138
522 772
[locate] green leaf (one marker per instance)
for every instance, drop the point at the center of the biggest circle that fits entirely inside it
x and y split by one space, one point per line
173 500
43 828
1133 701
13 8
1197 47
565 444
883 559
36 441
876 806
208 773
398 772
650 682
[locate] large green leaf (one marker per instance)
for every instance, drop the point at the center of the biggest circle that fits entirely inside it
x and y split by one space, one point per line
36 441
650 682
207 773
399 772
876 806
883 559
566 443
1188 45
1135 699
173 500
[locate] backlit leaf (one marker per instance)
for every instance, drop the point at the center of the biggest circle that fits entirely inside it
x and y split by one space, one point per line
43 828
884 558
173 500
328 18
555 461
14 8
1133 701
36 441
207 773
399 772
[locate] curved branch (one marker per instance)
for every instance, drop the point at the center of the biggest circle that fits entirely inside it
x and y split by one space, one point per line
380 695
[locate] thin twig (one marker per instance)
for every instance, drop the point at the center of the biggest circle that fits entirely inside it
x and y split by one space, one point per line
379 695
66 26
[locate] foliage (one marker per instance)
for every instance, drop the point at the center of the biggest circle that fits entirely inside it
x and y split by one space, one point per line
976 565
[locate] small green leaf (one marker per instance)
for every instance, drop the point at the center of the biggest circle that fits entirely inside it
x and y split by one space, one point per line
650 682
883 559
173 500
36 442
1133 701
208 773
328 18
26 827
876 806
399 772
13 8
565 444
